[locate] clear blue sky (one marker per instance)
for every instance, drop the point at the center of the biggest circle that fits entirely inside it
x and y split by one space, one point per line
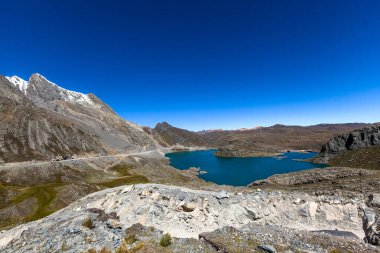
205 64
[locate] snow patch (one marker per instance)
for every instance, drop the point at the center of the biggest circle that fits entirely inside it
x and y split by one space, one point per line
70 96
20 83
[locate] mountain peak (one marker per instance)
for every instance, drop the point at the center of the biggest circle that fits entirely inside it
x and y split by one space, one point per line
45 90
20 83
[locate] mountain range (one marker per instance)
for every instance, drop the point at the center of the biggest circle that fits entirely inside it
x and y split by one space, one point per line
40 120
331 208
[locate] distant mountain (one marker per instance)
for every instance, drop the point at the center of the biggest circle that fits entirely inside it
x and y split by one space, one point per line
39 119
260 141
280 136
171 136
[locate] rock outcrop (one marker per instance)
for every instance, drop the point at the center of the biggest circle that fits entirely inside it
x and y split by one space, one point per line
358 139
371 227
186 214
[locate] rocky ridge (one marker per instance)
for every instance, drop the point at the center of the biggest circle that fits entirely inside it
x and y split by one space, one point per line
216 220
354 140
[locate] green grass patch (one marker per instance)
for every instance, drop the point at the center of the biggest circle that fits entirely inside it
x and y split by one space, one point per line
44 194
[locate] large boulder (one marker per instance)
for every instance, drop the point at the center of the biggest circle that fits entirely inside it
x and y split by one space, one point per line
371 226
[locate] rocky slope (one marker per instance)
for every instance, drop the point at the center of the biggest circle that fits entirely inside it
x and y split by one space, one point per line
39 120
355 140
198 221
29 132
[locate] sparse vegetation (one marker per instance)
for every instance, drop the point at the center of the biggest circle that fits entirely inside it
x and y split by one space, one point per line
129 239
44 194
135 179
366 158
123 248
137 247
335 251
166 240
105 250
121 169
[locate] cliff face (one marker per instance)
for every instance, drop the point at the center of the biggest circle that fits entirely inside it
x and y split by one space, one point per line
40 120
354 140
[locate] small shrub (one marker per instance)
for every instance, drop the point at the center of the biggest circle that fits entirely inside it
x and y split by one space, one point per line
137 247
105 250
88 223
129 239
123 248
335 251
166 240
151 229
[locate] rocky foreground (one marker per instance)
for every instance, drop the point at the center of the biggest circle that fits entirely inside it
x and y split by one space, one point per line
137 218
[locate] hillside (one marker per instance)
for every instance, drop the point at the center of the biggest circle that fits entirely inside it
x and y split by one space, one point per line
30 132
177 136
358 148
286 137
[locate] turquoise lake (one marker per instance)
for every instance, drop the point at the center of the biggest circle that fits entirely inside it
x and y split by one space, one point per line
238 171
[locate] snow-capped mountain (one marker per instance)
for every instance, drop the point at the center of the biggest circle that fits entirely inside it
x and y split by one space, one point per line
20 83
39 88
39 119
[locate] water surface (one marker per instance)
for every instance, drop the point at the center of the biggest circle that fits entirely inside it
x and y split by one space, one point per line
240 171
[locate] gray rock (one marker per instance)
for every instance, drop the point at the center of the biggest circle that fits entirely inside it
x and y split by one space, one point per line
374 199
371 226
267 248
114 224
221 195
